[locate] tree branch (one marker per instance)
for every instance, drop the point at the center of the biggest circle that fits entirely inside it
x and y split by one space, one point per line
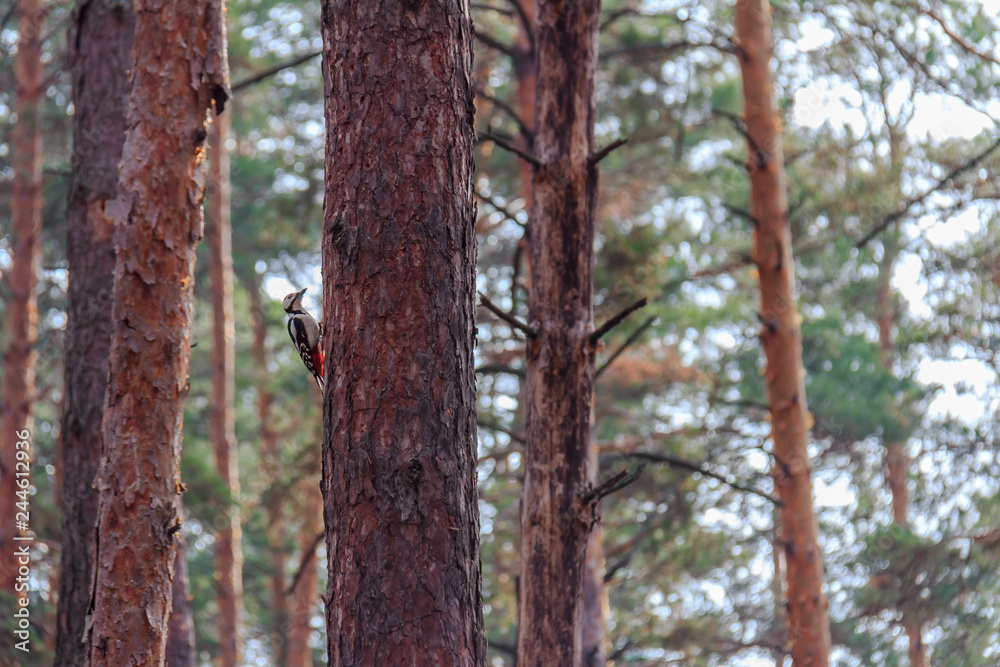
509 110
307 556
609 486
493 369
496 44
692 466
503 143
260 76
617 319
527 330
910 203
500 429
628 341
603 153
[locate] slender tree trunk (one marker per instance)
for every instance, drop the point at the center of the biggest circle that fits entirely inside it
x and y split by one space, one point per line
178 70
897 462
306 592
399 251
17 387
555 524
595 592
228 551
101 39
807 607
180 628
271 464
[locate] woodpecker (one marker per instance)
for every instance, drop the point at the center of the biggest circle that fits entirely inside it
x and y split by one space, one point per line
306 335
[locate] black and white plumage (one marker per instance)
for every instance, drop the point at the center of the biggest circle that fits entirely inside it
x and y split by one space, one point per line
306 335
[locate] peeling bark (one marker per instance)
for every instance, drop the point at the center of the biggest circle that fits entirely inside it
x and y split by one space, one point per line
178 70
398 272
809 627
17 387
555 524
229 531
101 40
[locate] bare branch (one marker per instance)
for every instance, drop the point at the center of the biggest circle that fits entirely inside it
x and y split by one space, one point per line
503 143
509 110
487 369
628 341
500 429
617 319
609 486
966 46
527 330
271 71
307 556
910 203
603 153
693 466
496 44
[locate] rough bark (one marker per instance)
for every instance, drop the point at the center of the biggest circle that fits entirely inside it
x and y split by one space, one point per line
399 253
781 337
271 462
555 523
17 387
180 628
178 70
228 551
101 42
306 592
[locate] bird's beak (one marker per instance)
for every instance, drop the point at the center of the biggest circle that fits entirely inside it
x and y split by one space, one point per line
302 291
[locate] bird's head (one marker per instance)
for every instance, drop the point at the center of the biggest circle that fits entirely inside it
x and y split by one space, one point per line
293 302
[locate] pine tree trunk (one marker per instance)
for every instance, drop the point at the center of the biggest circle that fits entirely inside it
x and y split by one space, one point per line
306 592
17 387
399 251
180 628
228 551
178 70
555 524
897 462
781 337
271 468
101 40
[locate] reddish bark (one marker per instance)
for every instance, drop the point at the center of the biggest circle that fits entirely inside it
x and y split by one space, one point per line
228 551
17 387
555 524
809 627
101 41
398 269
178 70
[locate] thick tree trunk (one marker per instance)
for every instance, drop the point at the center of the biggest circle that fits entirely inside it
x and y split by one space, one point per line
807 607
306 592
178 70
180 628
228 551
398 269
17 387
101 40
271 468
555 524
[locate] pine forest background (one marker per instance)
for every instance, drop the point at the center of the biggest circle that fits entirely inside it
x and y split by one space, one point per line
890 114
